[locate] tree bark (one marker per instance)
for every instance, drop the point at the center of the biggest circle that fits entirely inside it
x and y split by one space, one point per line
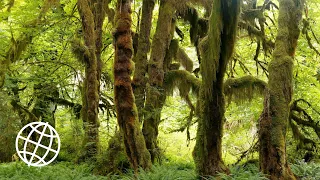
274 119
127 113
217 49
92 16
155 96
141 59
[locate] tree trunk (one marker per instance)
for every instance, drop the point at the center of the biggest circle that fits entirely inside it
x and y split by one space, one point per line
127 113
141 59
274 119
92 15
155 96
217 49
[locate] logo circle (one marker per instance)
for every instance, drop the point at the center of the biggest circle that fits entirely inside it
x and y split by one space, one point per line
32 158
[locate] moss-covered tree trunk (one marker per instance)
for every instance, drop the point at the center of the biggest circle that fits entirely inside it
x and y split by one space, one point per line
217 49
127 113
141 59
92 16
274 120
155 93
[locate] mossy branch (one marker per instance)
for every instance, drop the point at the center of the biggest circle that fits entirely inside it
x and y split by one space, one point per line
109 11
305 119
244 88
303 122
183 80
184 59
298 135
10 5
18 107
305 30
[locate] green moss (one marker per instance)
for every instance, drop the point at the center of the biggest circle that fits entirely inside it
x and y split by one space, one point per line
216 48
79 49
185 60
244 88
211 47
171 53
273 122
183 80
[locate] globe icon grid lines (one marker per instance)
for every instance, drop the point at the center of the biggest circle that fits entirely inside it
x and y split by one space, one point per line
41 160
35 143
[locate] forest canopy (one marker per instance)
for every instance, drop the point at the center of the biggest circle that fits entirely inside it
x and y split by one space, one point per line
167 89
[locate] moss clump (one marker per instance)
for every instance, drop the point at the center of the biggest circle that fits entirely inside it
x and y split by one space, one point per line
183 80
244 88
79 50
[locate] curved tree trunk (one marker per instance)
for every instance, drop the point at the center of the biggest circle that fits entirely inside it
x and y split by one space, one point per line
274 119
141 59
127 113
155 96
217 49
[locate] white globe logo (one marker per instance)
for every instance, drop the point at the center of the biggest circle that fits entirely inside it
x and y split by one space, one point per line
36 152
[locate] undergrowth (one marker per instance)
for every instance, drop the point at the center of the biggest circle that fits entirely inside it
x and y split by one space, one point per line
306 171
166 171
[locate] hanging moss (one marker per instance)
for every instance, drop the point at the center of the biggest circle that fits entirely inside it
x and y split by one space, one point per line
19 45
176 53
183 80
216 48
244 88
79 50
210 47
13 54
190 14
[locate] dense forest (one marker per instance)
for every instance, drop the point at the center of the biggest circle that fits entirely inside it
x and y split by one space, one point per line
167 89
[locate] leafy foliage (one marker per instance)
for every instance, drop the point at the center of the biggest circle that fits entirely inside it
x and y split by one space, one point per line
303 170
41 45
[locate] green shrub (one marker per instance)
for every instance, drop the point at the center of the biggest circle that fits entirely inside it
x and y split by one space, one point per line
60 171
307 171
248 172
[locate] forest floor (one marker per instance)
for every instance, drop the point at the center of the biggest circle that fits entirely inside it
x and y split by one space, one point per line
167 171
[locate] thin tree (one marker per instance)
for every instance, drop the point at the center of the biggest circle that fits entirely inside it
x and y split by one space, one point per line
141 59
92 15
160 58
155 96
